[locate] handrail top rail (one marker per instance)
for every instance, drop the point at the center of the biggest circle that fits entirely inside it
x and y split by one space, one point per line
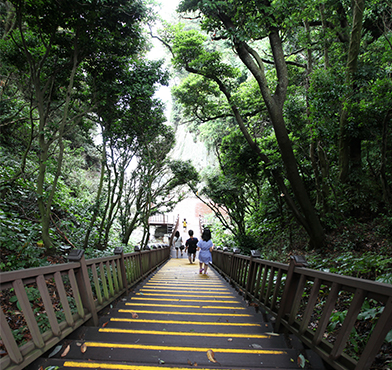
372 286
8 276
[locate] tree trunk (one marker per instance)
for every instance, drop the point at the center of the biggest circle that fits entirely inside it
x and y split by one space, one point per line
98 197
352 64
384 146
274 105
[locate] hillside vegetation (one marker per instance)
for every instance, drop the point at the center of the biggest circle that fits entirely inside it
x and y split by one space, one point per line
294 102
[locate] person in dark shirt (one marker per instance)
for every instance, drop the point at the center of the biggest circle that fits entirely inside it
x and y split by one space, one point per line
191 246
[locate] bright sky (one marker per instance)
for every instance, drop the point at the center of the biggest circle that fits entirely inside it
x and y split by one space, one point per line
168 13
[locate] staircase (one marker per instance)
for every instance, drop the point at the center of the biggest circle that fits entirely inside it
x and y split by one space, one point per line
178 319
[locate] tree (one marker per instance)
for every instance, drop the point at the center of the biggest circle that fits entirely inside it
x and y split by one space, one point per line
54 51
189 53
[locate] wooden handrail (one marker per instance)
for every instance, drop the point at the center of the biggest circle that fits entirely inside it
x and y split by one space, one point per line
81 289
293 295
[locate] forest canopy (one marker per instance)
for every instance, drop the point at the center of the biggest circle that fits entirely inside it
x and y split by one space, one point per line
83 139
294 99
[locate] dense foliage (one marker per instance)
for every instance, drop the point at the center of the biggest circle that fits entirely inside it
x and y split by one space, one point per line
295 98
83 142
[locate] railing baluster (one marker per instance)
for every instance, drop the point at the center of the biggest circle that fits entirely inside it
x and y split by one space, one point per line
276 290
109 278
28 313
115 279
9 340
310 305
63 298
297 299
329 306
76 293
41 283
270 285
348 324
263 284
257 287
104 281
383 326
96 283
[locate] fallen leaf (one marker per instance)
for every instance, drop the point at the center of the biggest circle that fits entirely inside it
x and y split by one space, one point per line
195 364
256 346
189 362
55 351
103 325
210 356
65 352
135 315
301 361
83 348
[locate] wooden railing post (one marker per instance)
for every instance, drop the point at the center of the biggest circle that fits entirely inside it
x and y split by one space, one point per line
251 273
84 284
290 288
120 251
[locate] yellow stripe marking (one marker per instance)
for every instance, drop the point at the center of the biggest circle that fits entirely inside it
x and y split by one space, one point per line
185 313
167 280
202 295
203 290
182 333
183 349
185 322
101 365
186 305
183 300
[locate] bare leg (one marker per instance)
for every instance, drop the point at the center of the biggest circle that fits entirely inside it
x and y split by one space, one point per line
205 268
201 268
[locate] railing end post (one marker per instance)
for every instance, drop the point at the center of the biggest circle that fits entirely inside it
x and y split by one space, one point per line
299 261
75 255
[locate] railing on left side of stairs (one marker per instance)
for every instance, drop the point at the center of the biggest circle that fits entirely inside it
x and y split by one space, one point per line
306 303
41 306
